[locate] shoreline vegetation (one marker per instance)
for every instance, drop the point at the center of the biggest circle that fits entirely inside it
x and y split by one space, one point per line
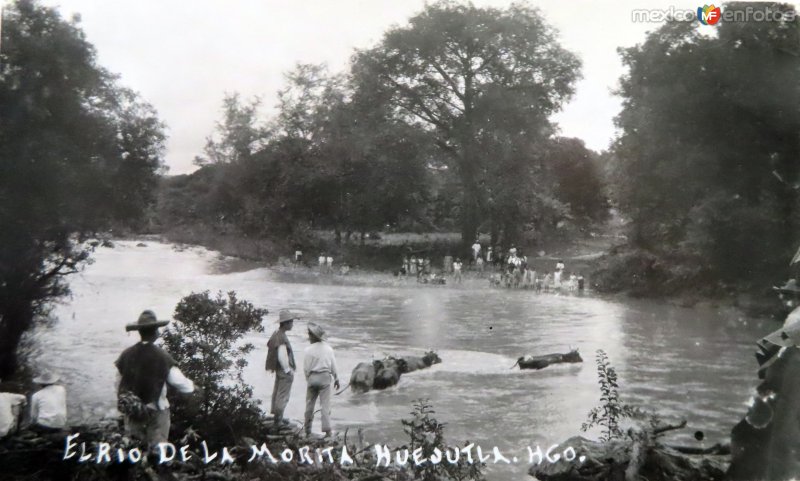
612 267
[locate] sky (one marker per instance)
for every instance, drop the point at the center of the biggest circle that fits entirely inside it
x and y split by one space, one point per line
183 56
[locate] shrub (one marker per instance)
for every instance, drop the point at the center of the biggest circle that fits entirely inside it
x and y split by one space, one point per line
428 433
205 340
611 409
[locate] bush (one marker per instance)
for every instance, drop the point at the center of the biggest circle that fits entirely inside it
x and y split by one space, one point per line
428 433
611 409
205 342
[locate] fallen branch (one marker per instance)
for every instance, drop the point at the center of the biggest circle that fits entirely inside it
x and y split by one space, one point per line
669 427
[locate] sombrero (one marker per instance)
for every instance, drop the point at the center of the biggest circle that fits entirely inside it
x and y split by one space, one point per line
146 319
316 330
285 315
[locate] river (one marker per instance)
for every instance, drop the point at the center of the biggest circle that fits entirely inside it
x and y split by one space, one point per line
695 364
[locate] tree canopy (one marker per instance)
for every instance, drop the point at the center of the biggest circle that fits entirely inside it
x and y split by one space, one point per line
707 163
78 153
479 80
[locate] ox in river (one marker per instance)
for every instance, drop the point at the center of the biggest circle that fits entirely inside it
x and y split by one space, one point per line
413 363
541 362
389 373
363 376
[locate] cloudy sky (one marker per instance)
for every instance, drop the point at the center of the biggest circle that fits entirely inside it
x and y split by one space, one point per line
184 55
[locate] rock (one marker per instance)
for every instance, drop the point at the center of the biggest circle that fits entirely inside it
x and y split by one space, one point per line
608 461
141 244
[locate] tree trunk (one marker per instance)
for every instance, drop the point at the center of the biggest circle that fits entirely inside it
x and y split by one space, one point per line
470 213
338 235
15 320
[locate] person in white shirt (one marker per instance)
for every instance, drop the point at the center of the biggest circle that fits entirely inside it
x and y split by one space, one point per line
319 365
10 406
49 404
457 265
476 250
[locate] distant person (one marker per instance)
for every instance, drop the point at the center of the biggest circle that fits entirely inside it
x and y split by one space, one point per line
546 281
319 364
11 405
573 281
476 251
329 264
344 269
490 256
48 405
413 265
479 264
145 370
298 256
580 282
457 265
322 261
280 360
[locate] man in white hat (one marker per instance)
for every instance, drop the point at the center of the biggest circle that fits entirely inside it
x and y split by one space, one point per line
48 404
280 360
319 365
144 372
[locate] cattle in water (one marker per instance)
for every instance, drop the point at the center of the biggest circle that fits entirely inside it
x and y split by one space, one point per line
363 376
413 363
541 362
389 373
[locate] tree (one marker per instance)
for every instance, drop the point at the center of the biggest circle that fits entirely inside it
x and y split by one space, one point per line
707 161
78 153
465 73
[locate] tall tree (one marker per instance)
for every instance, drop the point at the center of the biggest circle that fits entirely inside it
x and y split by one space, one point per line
708 160
463 72
77 153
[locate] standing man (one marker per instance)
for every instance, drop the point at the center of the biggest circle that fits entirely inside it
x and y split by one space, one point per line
280 360
319 366
144 372
476 251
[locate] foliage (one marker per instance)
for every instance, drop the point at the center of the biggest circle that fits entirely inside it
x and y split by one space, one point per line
427 433
205 340
78 154
611 409
477 79
707 157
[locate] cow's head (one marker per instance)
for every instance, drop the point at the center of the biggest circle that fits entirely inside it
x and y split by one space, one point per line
573 356
430 358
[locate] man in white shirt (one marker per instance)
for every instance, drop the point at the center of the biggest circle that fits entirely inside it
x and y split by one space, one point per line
144 371
49 404
476 251
319 365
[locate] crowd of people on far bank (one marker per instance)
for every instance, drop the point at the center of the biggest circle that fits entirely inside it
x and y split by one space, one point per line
505 268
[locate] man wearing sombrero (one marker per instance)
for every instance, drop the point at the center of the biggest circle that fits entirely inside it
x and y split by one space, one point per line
319 364
280 360
145 370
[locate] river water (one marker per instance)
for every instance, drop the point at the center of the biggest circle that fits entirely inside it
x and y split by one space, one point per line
694 364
